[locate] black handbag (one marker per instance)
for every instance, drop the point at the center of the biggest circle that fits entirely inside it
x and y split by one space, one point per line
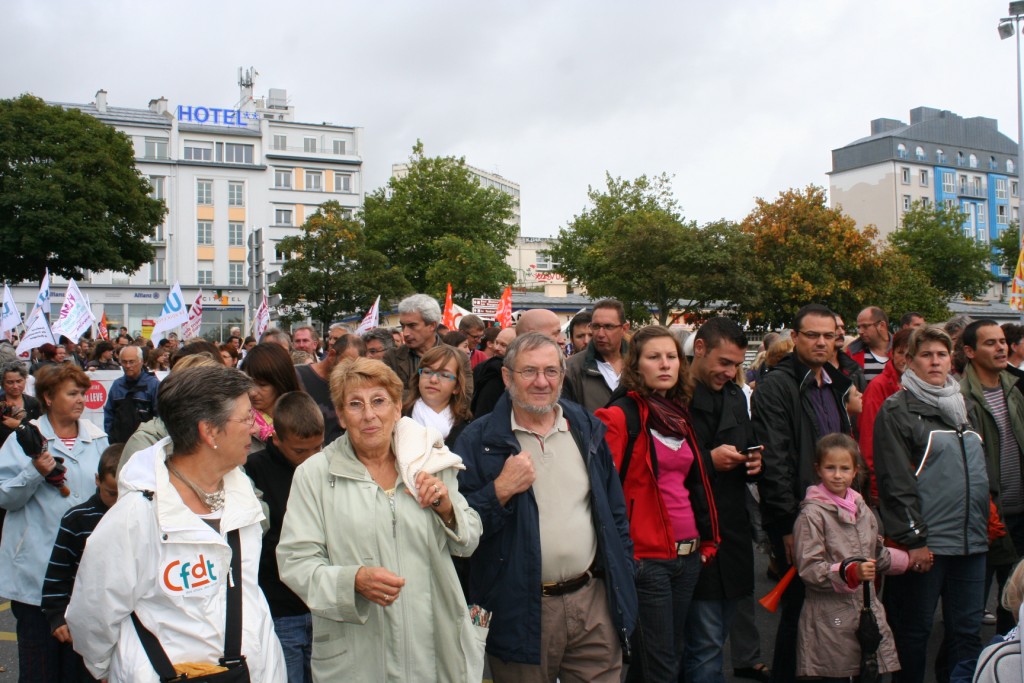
237 669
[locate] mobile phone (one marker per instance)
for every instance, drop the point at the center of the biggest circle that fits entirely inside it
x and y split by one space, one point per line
750 450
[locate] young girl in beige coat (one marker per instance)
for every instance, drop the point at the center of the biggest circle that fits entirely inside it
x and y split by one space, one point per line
837 548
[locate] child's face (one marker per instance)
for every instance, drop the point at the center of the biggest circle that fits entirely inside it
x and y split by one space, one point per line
108 489
296 449
836 470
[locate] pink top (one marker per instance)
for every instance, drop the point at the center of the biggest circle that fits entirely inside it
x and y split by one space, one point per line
673 466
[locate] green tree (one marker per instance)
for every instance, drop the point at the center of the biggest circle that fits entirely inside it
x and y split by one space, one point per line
334 272
900 287
633 245
438 225
1006 248
934 240
71 198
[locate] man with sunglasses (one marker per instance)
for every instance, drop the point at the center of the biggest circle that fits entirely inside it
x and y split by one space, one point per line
593 374
797 403
871 348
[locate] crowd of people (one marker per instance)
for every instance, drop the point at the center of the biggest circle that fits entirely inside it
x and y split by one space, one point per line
572 501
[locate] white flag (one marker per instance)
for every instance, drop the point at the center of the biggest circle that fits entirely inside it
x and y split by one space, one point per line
172 315
43 298
371 319
75 316
11 317
262 319
195 318
38 333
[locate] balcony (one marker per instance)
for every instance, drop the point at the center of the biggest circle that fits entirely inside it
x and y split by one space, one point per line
969 190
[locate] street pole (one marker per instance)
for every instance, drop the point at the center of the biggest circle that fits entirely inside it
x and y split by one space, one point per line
1012 23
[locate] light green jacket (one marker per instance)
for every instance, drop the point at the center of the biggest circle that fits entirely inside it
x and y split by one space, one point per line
338 520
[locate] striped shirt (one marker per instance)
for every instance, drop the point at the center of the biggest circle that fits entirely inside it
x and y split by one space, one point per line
1010 490
75 528
873 365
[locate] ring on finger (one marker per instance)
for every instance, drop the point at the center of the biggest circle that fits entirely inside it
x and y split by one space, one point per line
437 489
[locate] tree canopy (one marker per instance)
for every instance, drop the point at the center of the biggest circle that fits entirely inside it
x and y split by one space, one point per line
934 240
632 244
1006 248
71 198
437 225
802 251
333 272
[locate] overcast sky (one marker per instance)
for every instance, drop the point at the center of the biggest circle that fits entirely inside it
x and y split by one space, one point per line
736 100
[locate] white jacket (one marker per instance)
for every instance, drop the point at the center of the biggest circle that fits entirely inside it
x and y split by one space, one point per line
153 555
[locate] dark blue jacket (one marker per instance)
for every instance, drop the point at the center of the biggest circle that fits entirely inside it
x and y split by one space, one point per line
148 386
505 569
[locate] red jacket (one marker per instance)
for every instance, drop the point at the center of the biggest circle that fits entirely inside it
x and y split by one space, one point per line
878 389
649 523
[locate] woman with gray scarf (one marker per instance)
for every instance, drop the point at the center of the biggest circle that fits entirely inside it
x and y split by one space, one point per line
933 491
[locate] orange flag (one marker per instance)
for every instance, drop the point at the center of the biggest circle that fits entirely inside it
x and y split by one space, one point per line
503 315
104 334
448 317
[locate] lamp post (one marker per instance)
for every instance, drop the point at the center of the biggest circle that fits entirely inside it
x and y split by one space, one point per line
1010 26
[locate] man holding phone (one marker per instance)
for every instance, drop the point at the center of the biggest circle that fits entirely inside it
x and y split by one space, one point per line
722 425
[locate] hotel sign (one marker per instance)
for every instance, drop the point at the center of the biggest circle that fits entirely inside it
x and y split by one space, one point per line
215 116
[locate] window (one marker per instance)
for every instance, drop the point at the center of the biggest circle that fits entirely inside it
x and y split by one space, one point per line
906 207
237 154
204 272
901 151
283 178
1014 188
940 156
919 153
158 233
314 181
235 232
236 193
959 158
1001 214
963 184
972 161
950 203
204 192
204 232
1000 188
342 182
235 274
280 142
157 183
282 216
981 214
309 144
156 271
544 262
198 151
339 147
156 149
280 256
905 175
970 218
926 202
923 178
1009 166
948 182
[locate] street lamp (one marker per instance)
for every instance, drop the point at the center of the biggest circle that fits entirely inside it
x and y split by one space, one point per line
1009 26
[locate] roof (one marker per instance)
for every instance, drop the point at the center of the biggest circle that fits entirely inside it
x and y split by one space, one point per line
123 115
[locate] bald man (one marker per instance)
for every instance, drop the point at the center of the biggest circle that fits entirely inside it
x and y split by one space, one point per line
487 379
539 320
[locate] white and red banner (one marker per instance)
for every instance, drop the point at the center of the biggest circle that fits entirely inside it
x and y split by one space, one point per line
195 318
75 315
11 316
172 315
371 319
101 329
38 333
262 319
43 298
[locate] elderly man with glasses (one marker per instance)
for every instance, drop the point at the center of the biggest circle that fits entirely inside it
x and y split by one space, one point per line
132 397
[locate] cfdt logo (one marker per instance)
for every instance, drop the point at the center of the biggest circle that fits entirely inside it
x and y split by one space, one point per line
182 578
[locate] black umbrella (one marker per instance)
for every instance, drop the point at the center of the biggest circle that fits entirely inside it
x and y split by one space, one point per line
869 637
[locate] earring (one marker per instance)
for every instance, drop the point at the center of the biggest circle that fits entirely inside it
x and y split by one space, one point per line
214 445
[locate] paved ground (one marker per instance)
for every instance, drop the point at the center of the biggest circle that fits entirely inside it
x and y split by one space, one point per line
765 621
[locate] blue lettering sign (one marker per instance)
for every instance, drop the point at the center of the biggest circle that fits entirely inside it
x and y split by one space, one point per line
215 115
202 114
184 113
173 304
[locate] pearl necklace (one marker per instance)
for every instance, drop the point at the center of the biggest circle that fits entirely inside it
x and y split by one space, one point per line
214 501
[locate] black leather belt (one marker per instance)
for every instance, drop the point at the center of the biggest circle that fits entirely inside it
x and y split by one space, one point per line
572 585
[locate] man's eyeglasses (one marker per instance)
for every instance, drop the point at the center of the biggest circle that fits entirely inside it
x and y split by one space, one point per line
815 336
604 327
530 374
436 374
248 421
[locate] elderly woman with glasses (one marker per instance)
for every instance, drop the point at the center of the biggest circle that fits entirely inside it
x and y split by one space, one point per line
175 562
371 526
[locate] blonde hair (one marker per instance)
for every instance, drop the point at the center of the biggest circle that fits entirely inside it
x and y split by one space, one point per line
777 351
353 372
1013 590
198 360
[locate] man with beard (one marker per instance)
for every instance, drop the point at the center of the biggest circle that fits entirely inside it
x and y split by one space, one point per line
555 564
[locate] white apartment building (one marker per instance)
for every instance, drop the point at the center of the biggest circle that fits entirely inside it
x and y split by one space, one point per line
225 174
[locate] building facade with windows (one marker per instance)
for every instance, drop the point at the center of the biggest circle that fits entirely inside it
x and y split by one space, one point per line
939 157
485 179
224 173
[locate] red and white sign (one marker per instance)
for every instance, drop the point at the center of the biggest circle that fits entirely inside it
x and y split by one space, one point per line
486 308
96 396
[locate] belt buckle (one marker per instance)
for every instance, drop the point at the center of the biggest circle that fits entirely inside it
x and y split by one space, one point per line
684 548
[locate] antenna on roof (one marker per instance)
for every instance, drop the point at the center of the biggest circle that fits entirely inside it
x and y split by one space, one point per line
246 79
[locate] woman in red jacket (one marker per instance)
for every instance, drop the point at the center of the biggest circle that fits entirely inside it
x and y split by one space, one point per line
672 518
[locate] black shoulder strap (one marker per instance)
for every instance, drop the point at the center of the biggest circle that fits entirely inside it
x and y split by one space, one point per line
233 622
632 413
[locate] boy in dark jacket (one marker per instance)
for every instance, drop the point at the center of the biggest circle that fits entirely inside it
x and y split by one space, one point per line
76 526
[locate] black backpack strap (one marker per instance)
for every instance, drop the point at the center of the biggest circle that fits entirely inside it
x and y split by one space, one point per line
157 656
629 408
233 623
